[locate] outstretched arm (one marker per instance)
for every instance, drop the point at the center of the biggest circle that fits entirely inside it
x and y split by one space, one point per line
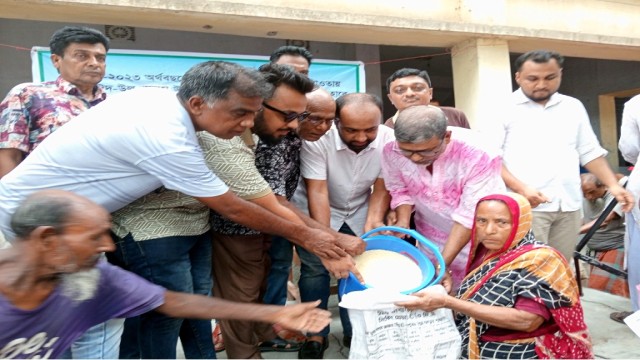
353 245
305 317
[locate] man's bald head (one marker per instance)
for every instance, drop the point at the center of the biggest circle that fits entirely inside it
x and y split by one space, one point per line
592 188
55 208
420 123
320 98
320 95
322 109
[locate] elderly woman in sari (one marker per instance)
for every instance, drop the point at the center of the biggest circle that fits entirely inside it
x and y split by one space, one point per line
519 298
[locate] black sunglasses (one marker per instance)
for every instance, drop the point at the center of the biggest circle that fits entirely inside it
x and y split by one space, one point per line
288 116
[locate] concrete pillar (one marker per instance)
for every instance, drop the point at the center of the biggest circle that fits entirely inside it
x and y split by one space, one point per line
481 78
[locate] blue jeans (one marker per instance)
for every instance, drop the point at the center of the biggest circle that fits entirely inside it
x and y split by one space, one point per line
281 255
314 280
101 341
178 263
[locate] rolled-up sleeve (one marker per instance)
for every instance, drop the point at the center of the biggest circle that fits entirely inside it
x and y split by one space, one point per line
313 161
588 145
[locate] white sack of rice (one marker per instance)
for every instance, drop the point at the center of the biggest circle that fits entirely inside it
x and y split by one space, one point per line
388 270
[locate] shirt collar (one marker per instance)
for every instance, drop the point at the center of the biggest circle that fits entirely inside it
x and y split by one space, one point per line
521 98
340 145
395 117
71 89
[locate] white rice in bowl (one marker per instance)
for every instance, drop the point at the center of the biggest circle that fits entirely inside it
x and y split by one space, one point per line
388 270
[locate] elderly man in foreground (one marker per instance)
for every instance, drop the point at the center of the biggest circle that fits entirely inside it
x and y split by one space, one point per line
53 285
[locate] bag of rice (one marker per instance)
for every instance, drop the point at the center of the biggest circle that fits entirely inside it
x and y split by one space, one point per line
382 330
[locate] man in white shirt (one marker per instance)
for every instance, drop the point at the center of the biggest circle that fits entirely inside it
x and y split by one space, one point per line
629 146
545 137
339 170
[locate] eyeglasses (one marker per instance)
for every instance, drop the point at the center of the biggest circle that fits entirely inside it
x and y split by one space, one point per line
424 153
317 121
288 116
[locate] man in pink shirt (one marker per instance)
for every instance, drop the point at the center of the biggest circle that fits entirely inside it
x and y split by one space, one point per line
440 173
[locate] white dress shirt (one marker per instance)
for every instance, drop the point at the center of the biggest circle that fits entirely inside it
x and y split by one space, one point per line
349 175
544 146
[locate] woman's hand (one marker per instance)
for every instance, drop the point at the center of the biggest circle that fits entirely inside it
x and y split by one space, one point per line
425 300
447 281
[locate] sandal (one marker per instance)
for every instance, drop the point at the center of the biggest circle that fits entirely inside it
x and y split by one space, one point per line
278 344
218 340
289 335
620 316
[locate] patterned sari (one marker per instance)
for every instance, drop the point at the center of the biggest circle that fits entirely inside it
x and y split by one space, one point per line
526 268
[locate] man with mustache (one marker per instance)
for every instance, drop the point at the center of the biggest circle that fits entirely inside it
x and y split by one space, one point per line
54 285
439 173
545 137
31 112
408 87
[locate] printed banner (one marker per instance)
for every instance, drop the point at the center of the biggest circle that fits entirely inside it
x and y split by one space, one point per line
127 69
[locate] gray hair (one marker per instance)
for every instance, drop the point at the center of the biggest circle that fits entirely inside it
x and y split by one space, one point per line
589 178
45 208
420 123
213 80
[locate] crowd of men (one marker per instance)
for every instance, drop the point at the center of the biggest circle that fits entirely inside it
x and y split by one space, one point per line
171 209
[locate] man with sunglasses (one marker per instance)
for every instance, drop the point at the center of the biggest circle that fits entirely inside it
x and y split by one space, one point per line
339 171
440 173
240 258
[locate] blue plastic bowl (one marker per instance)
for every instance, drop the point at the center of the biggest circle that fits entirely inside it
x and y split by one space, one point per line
395 244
